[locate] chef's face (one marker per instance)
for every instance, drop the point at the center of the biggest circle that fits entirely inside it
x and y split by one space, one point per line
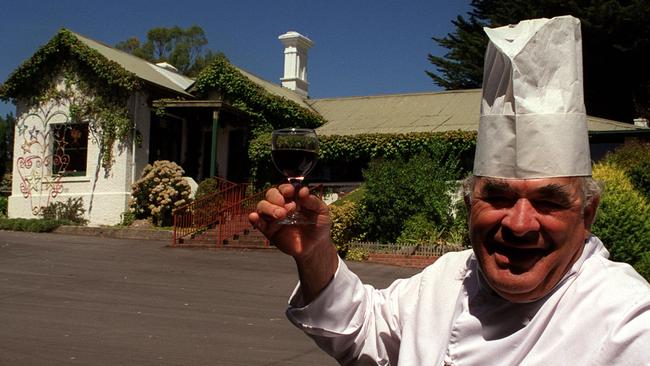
527 233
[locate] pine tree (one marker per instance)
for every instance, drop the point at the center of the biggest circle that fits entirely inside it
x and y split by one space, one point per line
616 42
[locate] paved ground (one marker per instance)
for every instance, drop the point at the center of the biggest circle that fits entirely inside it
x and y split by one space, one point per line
75 300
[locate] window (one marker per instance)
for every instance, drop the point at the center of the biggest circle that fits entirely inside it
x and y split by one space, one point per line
70 149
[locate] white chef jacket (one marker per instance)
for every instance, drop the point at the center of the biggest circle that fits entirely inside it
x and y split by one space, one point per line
598 314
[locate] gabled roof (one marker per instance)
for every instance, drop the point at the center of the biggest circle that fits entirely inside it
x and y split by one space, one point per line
276 89
141 68
422 112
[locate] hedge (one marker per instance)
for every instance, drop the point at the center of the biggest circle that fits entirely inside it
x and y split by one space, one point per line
361 149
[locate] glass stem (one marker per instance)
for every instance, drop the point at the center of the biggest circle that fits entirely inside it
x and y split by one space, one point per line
297 184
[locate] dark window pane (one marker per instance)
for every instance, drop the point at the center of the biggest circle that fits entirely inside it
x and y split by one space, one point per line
70 149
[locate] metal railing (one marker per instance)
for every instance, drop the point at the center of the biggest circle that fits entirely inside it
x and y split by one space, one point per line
234 218
220 216
203 214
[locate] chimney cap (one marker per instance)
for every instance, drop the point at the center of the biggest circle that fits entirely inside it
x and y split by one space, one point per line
293 38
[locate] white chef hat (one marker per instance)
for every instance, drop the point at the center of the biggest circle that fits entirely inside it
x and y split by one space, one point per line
533 120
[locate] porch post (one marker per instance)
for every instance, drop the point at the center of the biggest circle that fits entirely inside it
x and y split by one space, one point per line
213 152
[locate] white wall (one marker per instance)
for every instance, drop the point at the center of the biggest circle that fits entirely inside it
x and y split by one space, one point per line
105 193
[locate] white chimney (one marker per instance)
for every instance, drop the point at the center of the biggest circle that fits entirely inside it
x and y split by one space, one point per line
295 61
641 122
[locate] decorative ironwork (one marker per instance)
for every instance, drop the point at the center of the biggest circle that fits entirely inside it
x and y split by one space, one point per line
44 155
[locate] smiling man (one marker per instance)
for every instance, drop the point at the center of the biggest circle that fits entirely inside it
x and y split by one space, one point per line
537 287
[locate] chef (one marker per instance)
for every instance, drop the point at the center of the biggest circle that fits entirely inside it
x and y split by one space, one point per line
536 288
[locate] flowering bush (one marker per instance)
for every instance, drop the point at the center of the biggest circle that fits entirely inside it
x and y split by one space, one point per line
160 189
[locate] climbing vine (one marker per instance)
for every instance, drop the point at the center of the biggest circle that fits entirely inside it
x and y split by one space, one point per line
267 111
96 89
365 147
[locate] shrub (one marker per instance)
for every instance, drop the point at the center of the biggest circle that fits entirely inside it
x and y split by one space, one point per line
127 218
643 265
623 220
160 189
207 187
31 225
419 229
347 220
4 204
398 189
634 158
640 176
355 254
72 211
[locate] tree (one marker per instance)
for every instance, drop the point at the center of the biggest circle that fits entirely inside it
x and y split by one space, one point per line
6 143
616 42
182 48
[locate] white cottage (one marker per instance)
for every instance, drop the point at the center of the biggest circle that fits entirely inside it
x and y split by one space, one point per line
59 152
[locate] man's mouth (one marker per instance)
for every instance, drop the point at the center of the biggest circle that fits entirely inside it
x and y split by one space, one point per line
515 259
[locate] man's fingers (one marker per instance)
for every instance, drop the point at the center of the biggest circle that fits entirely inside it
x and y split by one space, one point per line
286 190
270 211
312 203
275 197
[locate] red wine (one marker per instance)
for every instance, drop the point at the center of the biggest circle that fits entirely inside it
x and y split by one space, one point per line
294 163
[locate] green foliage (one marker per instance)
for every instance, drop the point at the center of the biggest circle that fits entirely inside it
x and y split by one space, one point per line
623 220
419 229
4 204
31 225
634 158
640 176
127 218
71 211
36 75
363 148
6 143
182 48
398 189
102 87
462 66
267 111
616 36
352 254
643 265
207 187
347 222
160 189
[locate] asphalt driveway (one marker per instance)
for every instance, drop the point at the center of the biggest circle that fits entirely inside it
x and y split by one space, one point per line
76 300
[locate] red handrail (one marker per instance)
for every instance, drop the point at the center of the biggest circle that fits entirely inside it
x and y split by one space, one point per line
221 220
202 214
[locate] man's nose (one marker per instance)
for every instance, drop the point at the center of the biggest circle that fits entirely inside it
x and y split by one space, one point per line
521 218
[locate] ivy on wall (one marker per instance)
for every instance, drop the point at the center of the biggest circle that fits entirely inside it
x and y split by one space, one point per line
102 87
365 147
267 111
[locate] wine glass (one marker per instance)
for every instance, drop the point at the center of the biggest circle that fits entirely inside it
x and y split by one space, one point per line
294 152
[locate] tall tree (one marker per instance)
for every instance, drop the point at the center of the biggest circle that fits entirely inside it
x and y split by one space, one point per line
6 143
616 42
182 48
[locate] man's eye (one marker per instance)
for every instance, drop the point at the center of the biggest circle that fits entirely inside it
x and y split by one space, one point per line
548 205
500 201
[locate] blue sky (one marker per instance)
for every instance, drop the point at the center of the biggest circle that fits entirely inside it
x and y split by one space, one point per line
362 47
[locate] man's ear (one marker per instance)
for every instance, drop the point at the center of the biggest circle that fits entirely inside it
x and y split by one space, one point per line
590 212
